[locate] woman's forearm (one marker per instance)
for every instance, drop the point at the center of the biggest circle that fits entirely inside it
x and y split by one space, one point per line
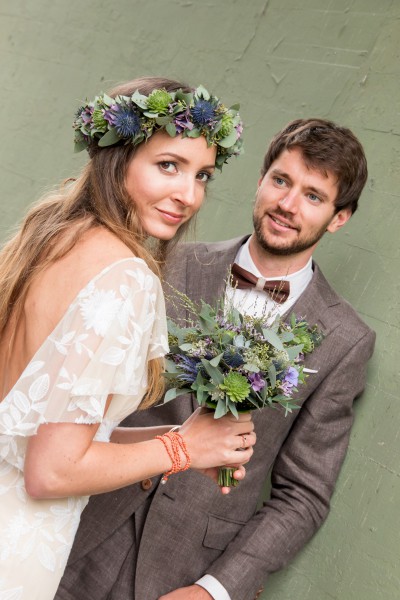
129 435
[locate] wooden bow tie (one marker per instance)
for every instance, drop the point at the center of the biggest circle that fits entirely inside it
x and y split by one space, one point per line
277 289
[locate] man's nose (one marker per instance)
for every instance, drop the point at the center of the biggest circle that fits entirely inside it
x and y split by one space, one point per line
290 201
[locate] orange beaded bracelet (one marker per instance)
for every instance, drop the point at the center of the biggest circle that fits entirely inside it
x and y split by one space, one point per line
174 444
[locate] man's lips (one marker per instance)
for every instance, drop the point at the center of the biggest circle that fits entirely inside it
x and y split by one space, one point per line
281 223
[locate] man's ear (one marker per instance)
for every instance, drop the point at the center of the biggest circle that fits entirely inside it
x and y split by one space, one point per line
339 220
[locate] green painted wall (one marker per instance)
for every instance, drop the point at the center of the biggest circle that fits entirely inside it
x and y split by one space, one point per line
281 59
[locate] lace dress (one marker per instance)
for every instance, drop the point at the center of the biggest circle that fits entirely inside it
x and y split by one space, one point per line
101 346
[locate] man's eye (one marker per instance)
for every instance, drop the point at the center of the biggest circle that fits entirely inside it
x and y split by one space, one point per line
279 181
313 198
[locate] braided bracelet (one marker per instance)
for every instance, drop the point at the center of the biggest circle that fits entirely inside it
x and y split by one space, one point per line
174 444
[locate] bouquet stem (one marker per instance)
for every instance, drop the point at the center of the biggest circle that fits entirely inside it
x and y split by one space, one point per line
225 477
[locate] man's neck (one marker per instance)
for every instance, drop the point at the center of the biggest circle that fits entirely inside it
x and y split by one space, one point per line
275 265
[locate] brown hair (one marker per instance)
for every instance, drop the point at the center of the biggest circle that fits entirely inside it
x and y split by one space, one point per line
56 223
326 147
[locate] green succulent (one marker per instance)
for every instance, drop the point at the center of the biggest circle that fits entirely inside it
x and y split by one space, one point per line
235 386
158 101
99 121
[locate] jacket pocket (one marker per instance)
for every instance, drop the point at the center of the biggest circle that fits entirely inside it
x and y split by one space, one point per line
220 532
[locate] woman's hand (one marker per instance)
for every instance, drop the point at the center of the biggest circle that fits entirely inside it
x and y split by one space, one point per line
218 442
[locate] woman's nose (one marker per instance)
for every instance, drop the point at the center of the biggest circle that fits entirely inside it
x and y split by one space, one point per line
185 192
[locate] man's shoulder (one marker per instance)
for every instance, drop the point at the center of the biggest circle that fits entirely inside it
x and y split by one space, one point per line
337 311
205 248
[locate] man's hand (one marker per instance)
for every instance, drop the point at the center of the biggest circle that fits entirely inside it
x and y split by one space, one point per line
193 592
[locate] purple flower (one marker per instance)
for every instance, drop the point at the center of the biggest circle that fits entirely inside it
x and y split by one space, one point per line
257 382
291 376
182 121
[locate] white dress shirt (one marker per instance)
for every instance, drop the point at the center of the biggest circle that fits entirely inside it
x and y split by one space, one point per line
257 303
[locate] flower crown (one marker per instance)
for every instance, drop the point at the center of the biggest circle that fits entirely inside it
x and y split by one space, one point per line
133 119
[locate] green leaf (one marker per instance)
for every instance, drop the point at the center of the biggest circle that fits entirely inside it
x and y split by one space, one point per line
221 409
139 99
233 409
272 375
213 372
251 368
187 98
186 347
287 336
161 121
107 100
229 140
294 351
202 92
171 129
216 360
235 107
79 146
273 339
109 138
194 133
174 393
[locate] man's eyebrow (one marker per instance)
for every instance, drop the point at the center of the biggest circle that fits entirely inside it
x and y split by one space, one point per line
317 191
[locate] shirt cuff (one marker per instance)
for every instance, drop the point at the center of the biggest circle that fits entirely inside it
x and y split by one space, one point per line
213 587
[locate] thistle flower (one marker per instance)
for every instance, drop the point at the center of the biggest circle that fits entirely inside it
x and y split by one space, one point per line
159 101
233 358
235 386
126 121
189 367
203 112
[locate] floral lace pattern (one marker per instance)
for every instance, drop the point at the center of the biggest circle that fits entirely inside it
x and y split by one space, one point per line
100 347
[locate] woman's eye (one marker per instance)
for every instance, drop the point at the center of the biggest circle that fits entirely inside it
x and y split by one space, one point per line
204 177
168 166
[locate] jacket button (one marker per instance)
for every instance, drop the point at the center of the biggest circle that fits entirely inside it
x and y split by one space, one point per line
146 484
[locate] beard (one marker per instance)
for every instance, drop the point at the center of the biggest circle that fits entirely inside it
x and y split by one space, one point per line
295 247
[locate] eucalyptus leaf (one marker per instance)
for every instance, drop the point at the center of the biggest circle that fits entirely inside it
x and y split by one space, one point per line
186 347
233 409
174 393
201 91
171 129
162 121
229 140
109 138
79 146
221 409
272 376
216 360
294 351
213 372
273 339
251 368
193 133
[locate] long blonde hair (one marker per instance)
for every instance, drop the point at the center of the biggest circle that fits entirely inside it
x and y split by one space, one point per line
59 220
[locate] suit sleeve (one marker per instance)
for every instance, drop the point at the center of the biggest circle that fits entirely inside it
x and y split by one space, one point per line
303 479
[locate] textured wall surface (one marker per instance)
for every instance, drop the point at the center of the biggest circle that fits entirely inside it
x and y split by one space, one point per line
281 59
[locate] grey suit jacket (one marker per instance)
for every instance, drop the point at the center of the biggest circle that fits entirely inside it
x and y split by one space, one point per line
191 529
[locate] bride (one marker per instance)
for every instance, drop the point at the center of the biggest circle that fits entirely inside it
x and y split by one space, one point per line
83 328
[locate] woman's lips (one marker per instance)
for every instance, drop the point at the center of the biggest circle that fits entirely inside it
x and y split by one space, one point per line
171 217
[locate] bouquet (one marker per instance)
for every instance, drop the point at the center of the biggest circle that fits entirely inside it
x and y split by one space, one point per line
235 363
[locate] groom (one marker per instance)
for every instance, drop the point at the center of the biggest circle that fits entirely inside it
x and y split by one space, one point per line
185 540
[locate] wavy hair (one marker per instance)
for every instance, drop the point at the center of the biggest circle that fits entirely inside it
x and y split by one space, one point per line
59 220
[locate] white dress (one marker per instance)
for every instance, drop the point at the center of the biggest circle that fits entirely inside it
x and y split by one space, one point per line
101 346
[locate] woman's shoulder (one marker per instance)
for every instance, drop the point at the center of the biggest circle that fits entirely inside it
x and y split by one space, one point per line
98 255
